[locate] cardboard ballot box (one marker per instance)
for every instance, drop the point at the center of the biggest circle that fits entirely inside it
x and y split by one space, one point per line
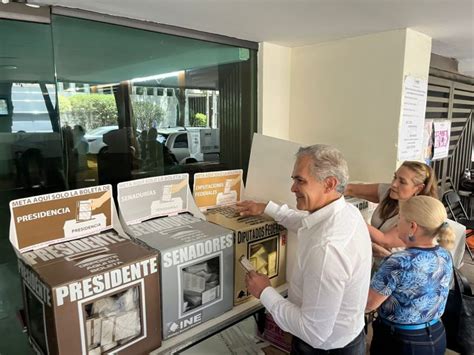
260 238
196 256
365 207
87 288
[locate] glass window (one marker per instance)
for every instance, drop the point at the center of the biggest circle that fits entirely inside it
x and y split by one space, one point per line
30 140
85 103
30 112
133 92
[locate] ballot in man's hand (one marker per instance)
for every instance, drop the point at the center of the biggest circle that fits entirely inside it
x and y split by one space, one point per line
256 283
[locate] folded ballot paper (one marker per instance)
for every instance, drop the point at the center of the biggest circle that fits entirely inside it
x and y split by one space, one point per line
196 256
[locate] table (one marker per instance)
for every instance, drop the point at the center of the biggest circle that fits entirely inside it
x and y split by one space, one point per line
205 330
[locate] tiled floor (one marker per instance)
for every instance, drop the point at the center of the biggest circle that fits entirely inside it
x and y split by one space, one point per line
14 341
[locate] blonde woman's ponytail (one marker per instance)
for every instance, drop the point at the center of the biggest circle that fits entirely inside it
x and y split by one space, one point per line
446 236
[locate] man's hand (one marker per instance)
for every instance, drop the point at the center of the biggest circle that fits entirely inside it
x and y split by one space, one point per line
251 208
256 283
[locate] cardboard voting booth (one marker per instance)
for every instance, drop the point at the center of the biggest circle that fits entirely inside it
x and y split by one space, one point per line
260 239
196 256
276 186
87 288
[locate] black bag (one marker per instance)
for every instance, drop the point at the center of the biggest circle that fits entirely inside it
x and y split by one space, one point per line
458 317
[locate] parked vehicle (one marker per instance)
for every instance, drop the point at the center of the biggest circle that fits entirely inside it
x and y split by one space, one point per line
192 145
188 145
95 138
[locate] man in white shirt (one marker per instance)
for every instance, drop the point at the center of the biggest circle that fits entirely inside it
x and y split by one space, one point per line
328 290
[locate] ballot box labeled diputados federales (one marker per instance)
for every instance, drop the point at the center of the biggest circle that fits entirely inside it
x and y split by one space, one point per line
87 288
259 238
196 256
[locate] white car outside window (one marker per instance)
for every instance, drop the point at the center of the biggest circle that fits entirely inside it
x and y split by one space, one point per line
95 138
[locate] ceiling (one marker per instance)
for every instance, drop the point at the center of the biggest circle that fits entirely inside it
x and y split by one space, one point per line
295 23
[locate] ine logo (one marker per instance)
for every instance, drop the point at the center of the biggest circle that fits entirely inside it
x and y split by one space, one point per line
174 327
186 323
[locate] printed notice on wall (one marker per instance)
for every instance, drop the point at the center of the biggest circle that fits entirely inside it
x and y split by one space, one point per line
442 134
410 138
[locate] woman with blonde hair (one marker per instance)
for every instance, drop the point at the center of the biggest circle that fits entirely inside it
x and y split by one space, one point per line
412 178
411 286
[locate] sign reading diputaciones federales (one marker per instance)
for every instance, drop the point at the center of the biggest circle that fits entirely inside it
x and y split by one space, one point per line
156 196
42 220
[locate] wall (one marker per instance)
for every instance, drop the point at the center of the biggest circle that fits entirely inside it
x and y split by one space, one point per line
274 90
348 93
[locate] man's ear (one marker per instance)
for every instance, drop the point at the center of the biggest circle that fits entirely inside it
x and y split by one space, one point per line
330 184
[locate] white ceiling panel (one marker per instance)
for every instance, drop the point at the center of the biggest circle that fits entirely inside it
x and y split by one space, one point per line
303 22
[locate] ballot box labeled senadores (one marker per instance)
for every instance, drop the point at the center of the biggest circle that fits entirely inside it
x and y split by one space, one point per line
87 288
196 256
259 238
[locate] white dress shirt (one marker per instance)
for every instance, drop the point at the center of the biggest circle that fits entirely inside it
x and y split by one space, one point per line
328 292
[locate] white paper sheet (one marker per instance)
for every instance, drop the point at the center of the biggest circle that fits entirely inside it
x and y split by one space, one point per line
410 135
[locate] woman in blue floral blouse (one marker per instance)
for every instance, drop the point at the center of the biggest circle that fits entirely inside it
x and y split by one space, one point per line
411 286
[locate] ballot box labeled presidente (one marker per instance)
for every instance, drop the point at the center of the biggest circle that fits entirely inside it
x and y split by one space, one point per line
87 289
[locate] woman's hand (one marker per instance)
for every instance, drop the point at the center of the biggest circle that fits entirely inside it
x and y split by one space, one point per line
374 300
380 251
367 192
386 240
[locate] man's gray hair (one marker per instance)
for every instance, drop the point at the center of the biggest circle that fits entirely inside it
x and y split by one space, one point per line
327 161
